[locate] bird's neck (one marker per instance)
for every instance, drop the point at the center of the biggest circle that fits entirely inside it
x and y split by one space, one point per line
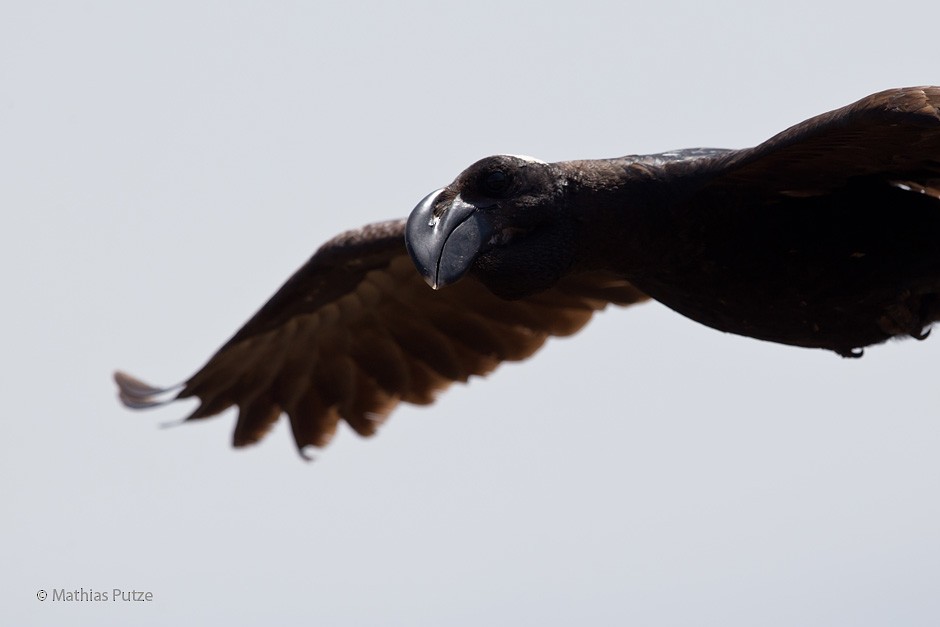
622 209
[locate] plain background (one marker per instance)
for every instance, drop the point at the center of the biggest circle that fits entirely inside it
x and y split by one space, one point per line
165 166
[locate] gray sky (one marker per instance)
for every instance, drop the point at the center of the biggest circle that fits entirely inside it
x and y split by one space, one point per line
164 169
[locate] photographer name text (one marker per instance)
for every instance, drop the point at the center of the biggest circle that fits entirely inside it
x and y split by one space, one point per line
90 595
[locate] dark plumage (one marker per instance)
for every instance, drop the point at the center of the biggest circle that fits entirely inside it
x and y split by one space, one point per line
825 236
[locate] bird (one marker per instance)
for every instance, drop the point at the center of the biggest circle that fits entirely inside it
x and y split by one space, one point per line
826 236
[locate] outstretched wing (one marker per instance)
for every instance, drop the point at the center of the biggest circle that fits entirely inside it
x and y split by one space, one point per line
356 330
893 135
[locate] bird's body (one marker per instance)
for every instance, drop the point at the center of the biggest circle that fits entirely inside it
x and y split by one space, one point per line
839 271
825 236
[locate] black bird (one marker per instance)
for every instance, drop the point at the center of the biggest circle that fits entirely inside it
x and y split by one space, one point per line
825 236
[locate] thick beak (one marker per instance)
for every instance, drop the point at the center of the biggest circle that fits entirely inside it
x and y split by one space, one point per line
444 246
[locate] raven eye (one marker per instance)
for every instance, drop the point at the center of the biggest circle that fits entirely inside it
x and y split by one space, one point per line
495 182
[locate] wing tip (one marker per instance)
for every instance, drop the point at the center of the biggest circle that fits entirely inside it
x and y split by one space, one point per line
136 394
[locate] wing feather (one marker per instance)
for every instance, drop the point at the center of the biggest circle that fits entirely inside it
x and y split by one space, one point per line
356 331
893 133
